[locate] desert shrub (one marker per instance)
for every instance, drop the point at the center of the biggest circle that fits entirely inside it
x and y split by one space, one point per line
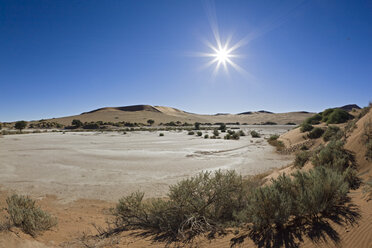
301 158
291 123
76 123
26 215
20 125
206 136
161 134
200 204
339 116
197 125
222 127
305 127
231 132
150 122
227 136
255 134
326 113
190 133
1 126
199 133
241 133
215 132
315 119
336 157
364 110
315 133
332 132
308 196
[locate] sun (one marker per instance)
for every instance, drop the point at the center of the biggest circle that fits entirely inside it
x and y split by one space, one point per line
222 55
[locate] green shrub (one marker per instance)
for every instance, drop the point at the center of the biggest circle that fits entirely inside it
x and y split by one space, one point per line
150 122
339 116
161 134
20 125
206 136
326 113
301 158
255 134
199 133
26 215
241 133
231 132
91 126
332 132
190 133
305 127
315 133
215 132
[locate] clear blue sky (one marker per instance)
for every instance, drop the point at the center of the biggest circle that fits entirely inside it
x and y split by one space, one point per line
61 58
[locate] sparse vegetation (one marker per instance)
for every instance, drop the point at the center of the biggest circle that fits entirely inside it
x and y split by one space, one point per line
315 133
273 140
216 133
206 136
255 134
199 133
150 122
20 125
26 215
191 133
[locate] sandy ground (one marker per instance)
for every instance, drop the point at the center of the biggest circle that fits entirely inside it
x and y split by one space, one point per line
106 166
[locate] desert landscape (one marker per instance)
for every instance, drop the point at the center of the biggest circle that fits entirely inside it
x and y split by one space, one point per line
198 123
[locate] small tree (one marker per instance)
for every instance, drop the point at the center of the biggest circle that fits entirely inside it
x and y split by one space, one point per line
223 127
77 123
20 125
150 122
197 125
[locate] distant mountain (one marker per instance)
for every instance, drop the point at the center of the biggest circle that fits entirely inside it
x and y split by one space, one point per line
349 107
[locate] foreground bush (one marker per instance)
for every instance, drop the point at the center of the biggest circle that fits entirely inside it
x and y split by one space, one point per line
203 203
26 215
308 196
190 133
315 133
